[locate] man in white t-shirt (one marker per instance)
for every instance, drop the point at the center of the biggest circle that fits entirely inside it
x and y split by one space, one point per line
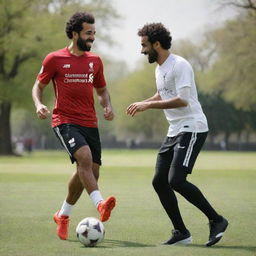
177 96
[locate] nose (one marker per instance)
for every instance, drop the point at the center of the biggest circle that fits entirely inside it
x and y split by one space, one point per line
142 51
91 36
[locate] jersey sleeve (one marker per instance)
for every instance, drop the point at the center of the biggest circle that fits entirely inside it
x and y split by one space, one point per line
184 74
47 70
184 93
99 79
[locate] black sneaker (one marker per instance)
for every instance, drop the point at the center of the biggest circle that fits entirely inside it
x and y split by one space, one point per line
216 231
179 238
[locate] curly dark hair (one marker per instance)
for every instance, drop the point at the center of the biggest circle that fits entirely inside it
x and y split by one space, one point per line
157 32
76 21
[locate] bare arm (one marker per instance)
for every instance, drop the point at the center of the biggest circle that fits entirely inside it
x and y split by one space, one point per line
105 102
175 102
156 96
37 95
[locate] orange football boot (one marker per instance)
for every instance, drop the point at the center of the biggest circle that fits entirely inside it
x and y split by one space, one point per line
62 225
105 207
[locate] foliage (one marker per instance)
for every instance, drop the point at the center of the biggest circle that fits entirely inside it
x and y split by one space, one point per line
26 38
28 31
222 116
232 74
224 65
138 86
223 61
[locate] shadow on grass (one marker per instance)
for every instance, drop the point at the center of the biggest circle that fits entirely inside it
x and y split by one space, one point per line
235 247
109 243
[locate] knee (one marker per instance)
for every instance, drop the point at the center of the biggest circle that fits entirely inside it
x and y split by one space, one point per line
83 157
159 183
176 184
155 183
84 165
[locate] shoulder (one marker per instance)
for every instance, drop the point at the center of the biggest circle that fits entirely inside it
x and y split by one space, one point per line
178 60
181 63
55 54
94 60
92 56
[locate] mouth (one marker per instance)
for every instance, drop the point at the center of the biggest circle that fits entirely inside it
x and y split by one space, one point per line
89 43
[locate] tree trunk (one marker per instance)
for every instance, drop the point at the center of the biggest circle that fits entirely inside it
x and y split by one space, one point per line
5 129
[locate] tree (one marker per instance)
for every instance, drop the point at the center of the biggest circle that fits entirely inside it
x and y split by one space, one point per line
245 4
232 73
149 125
222 116
28 31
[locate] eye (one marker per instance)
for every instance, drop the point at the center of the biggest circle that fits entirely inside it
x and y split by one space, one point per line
90 33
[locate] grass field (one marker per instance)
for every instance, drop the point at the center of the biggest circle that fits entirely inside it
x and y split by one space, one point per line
33 187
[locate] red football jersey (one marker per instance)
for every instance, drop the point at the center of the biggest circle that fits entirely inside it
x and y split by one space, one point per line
73 79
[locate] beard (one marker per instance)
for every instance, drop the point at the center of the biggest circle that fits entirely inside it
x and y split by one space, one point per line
81 43
152 56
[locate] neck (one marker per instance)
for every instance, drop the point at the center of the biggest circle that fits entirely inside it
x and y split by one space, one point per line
75 50
162 56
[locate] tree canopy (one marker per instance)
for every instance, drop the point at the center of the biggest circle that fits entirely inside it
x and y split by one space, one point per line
28 31
137 86
232 73
223 61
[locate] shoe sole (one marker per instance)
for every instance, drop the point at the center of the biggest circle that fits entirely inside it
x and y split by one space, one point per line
182 242
217 237
109 205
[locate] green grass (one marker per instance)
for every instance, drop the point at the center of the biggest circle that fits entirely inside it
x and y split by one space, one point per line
33 187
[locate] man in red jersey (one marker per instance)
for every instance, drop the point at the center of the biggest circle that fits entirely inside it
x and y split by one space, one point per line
75 72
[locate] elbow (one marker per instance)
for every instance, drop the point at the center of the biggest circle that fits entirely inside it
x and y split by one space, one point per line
183 103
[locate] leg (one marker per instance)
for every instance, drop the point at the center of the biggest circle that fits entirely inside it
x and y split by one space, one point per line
183 162
185 154
85 169
89 174
75 189
178 182
82 178
217 223
165 193
180 235
96 171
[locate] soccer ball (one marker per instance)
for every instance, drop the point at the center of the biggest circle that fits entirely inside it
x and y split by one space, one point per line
90 231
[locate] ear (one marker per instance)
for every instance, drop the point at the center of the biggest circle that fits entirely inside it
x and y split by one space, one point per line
156 45
75 35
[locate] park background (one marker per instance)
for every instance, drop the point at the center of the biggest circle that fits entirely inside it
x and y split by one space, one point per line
218 38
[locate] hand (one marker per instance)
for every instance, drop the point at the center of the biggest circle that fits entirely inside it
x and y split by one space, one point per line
42 111
136 107
108 113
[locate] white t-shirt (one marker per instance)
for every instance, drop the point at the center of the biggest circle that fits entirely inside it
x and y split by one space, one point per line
174 74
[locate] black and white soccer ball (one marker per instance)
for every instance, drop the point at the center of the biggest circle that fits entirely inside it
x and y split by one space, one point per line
90 231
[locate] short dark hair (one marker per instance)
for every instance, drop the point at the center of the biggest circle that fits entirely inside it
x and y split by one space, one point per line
157 32
76 21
